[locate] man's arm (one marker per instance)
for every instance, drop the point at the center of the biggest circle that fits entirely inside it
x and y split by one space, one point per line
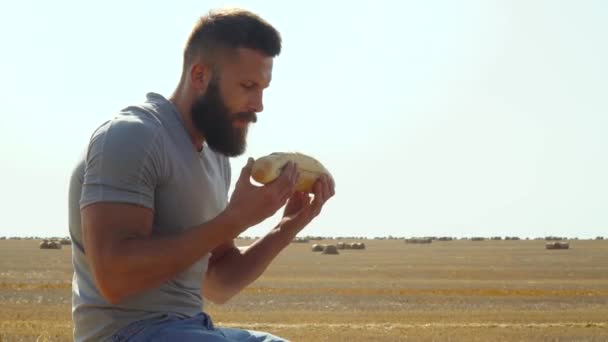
125 259
231 268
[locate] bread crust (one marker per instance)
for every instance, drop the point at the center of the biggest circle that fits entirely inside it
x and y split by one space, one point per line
268 168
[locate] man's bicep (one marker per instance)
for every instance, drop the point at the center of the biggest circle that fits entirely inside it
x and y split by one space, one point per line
105 225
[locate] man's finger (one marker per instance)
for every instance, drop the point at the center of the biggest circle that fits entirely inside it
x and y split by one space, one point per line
326 188
287 195
332 186
246 172
317 203
305 215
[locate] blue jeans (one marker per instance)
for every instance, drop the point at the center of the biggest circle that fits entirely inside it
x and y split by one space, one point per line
198 328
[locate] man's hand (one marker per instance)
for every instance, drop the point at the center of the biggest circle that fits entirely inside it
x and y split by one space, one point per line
301 209
253 204
230 269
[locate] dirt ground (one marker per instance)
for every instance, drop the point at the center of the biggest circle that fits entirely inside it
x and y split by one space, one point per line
391 291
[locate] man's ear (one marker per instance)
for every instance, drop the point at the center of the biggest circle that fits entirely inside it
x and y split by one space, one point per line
200 76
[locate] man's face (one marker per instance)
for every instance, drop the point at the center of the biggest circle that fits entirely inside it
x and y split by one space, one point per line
232 99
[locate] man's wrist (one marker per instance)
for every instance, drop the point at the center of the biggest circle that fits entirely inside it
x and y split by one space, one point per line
284 230
232 222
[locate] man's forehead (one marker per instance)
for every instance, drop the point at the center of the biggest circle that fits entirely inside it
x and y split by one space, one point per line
250 63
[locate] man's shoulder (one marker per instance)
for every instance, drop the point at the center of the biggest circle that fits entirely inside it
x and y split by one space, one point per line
131 124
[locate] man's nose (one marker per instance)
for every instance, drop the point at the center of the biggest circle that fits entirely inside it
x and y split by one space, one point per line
256 104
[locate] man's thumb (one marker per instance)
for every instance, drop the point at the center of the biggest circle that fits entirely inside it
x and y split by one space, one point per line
246 170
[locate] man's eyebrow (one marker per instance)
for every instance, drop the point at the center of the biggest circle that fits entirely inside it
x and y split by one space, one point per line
256 83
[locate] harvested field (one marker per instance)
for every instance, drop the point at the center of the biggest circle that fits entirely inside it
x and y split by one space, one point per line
450 291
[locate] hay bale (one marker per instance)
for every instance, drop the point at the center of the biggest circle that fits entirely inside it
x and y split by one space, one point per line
340 245
357 245
330 249
599 238
317 248
46 244
418 241
54 245
65 242
557 245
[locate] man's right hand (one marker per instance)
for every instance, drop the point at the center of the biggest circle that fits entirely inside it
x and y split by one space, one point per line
251 204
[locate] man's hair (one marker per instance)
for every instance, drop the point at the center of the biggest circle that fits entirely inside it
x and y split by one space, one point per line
231 28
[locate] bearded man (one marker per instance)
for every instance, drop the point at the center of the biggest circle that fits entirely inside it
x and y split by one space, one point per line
151 220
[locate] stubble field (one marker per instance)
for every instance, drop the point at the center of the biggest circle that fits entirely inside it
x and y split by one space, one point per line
391 291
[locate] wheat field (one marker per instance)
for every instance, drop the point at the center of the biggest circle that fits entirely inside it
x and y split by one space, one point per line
391 291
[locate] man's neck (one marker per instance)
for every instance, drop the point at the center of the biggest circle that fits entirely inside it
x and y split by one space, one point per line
183 104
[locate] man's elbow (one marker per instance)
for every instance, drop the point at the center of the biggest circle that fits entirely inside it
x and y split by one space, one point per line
110 288
111 295
222 296
219 300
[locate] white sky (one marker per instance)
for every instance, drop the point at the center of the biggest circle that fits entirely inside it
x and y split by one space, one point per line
452 118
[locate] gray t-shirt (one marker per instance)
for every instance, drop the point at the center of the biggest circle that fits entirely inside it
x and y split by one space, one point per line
144 156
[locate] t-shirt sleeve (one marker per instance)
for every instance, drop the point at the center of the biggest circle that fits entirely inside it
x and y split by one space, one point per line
123 163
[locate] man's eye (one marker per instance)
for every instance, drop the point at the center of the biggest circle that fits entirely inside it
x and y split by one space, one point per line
247 85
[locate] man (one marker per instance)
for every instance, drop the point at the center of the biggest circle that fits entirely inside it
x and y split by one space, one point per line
150 219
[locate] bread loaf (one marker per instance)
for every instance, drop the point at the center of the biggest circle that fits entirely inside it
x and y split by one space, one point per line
268 168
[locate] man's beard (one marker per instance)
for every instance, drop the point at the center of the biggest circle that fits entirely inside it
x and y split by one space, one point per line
213 119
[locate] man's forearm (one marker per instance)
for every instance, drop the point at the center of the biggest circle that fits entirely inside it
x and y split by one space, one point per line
240 267
138 264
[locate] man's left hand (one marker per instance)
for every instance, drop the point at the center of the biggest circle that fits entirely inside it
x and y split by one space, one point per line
301 209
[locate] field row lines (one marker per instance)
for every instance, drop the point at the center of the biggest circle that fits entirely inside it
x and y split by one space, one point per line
35 324
414 325
473 292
